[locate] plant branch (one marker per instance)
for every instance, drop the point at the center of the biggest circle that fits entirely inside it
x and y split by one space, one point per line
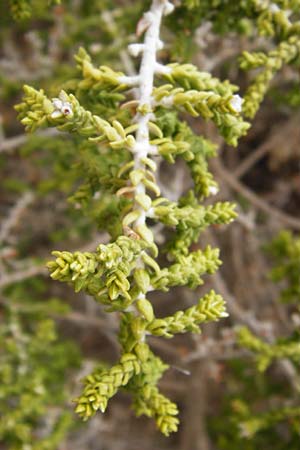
236 185
10 144
15 215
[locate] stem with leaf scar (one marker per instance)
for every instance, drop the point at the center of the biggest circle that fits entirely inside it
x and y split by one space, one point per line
142 176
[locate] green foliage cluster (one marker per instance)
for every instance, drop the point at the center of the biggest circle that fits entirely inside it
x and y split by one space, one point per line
251 424
276 21
97 108
105 119
243 16
285 252
257 408
286 52
23 9
33 367
266 353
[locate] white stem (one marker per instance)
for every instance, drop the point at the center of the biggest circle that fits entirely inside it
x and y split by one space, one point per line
130 81
161 69
146 77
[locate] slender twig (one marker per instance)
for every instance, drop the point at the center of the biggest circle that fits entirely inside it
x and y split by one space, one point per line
11 144
256 201
220 355
249 162
22 275
87 321
15 215
278 138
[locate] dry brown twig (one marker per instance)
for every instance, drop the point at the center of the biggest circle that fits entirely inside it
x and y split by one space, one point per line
14 215
256 201
10 144
285 138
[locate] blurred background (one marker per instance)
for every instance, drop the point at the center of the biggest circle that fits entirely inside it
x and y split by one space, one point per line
51 337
